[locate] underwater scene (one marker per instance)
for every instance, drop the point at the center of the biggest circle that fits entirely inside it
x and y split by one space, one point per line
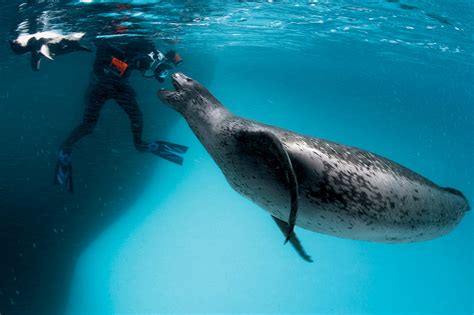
236 157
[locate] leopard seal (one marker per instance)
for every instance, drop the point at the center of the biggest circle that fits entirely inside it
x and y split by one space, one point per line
316 184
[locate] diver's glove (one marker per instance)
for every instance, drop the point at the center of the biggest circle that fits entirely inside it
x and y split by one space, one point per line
174 57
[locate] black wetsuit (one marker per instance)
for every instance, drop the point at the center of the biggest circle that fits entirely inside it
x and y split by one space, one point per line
106 84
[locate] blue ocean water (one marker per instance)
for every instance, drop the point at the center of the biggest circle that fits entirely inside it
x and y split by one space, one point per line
392 77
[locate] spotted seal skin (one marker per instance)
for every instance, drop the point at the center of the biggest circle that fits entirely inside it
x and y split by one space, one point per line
343 191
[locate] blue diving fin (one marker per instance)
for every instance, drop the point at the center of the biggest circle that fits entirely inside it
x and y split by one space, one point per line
168 151
63 174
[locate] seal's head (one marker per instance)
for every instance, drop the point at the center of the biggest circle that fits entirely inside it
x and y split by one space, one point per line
190 96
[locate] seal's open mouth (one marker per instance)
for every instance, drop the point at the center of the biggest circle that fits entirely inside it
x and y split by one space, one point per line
177 79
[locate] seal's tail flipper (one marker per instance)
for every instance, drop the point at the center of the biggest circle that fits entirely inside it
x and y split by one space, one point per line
260 144
168 151
460 194
285 228
454 191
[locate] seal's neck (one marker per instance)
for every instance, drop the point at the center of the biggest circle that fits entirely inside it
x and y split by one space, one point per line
205 121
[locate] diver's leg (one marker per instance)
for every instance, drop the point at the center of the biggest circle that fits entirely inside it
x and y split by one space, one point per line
95 100
125 97
166 150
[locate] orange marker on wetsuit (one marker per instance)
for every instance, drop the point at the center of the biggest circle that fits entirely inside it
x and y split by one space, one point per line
118 66
177 60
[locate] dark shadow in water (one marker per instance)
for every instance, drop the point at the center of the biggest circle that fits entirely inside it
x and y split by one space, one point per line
43 230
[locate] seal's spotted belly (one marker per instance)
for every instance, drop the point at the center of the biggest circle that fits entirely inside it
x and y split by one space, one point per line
345 192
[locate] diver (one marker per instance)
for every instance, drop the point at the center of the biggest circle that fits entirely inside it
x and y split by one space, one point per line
115 60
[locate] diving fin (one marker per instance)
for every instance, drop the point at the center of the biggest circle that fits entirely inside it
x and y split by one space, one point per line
168 151
44 50
254 142
284 227
63 174
36 57
35 61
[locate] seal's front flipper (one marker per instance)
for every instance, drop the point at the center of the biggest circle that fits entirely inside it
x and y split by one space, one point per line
261 144
284 227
